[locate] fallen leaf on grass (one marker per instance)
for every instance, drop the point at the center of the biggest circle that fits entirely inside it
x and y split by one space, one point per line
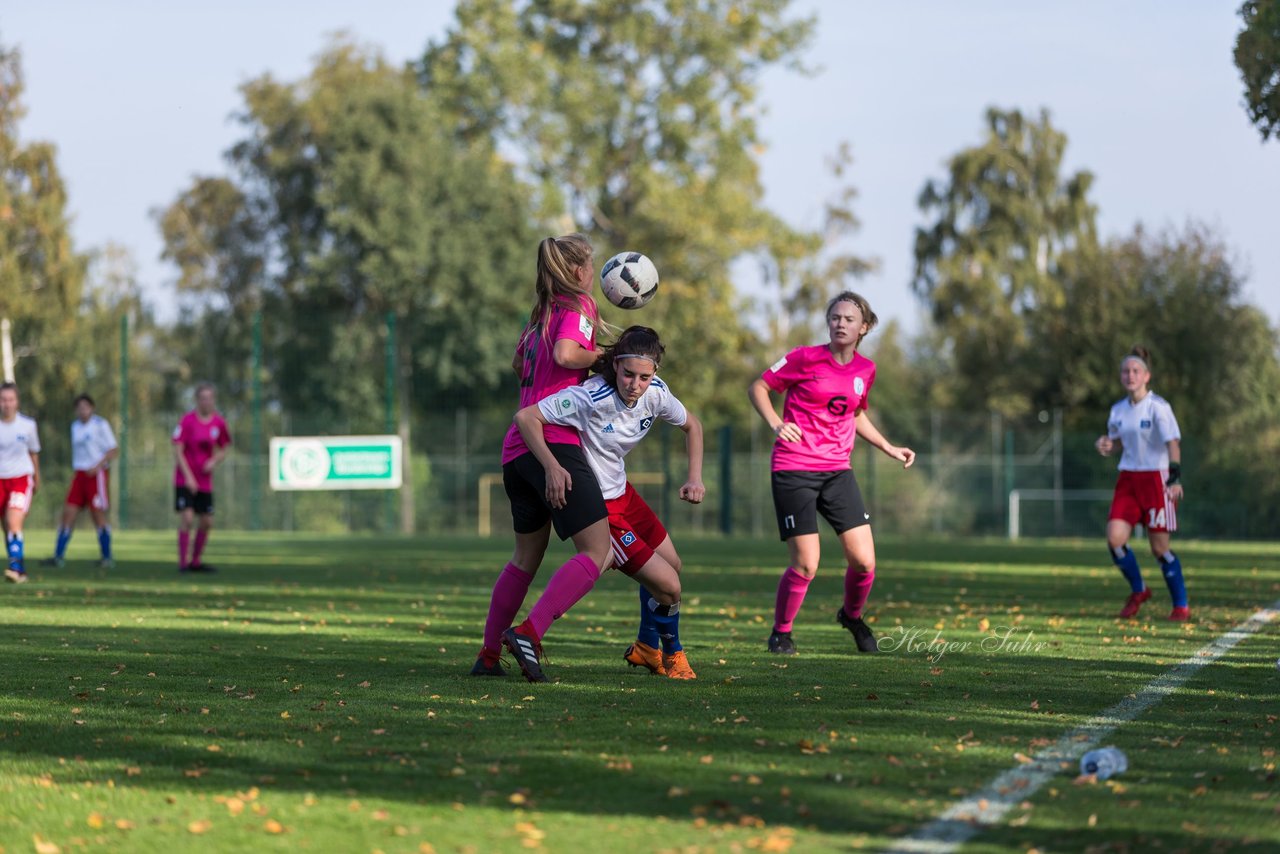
273 826
95 820
124 824
201 826
43 846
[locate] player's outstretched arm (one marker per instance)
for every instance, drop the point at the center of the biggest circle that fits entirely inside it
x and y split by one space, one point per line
530 422
868 431
693 490
758 394
572 355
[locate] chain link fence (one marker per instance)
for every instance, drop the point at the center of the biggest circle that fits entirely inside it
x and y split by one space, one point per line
967 467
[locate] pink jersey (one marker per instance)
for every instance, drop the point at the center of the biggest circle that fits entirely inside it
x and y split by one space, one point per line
822 398
541 375
199 440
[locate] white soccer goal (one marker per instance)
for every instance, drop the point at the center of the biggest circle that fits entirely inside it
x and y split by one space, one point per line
1017 496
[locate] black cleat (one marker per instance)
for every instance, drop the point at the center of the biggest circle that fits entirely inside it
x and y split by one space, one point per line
201 567
527 651
862 635
782 644
484 668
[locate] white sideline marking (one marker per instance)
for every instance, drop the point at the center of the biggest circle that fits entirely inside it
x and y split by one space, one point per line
965 819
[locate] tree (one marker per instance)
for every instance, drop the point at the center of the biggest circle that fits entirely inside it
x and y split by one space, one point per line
637 122
1006 227
1215 357
1257 55
350 201
41 273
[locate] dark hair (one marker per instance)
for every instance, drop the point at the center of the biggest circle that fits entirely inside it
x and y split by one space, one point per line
1140 352
634 341
205 386
868 316
85 397
7 386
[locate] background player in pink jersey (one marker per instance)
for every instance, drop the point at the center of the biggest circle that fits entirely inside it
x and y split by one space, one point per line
554 351
19 477
200 442
613 412
826 388
1142 426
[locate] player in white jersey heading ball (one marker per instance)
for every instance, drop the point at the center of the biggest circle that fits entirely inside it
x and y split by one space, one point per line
613 412
1143 428
93 447
19 476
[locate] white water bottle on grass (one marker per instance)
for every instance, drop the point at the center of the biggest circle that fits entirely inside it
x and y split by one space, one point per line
1104 762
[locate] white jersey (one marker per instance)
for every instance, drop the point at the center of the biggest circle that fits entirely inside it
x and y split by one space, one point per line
1143 428
610 429
90 441
18 441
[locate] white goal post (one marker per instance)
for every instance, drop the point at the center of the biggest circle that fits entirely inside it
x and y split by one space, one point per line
487 482
1017 496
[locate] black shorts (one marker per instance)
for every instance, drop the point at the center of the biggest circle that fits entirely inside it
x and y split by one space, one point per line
185 499
526 485
799 496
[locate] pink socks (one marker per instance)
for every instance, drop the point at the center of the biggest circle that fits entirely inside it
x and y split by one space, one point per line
202 536
857 587
184 541
570 583
791 589
508 595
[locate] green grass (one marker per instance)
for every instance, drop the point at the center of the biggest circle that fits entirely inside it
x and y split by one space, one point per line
318 687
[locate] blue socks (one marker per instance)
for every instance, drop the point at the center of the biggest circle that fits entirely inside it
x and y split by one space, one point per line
1172 569
64 537
1124 558
667 619
15 551
104 541
648 633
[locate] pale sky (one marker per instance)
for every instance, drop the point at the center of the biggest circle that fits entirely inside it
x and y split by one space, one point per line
138 97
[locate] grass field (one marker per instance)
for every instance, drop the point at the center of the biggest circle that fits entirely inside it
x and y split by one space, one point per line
313 696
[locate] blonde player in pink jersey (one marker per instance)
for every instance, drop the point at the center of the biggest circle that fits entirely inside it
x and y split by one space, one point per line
826 388
200 442
19 477
1143 428
554 351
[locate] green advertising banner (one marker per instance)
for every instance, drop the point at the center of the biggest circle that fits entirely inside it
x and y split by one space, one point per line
335 462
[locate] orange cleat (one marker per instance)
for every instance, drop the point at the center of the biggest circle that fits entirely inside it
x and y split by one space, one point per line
642 655
1180 614
1134 602
677 666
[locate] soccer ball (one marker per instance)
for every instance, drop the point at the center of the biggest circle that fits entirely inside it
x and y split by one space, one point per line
629 280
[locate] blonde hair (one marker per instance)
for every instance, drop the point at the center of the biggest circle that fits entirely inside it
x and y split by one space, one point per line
557 283
868 316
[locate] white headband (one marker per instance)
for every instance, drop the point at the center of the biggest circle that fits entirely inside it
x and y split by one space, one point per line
1138 359
634 356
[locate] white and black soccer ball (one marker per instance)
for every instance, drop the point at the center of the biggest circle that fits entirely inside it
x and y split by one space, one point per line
629 279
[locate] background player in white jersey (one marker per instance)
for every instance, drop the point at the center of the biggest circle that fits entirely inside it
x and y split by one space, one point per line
19 476
613 412
1142 426
93 447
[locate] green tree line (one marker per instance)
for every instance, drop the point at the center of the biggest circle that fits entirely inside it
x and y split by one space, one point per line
367 190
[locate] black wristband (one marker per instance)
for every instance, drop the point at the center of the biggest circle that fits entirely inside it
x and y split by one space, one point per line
1175 474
